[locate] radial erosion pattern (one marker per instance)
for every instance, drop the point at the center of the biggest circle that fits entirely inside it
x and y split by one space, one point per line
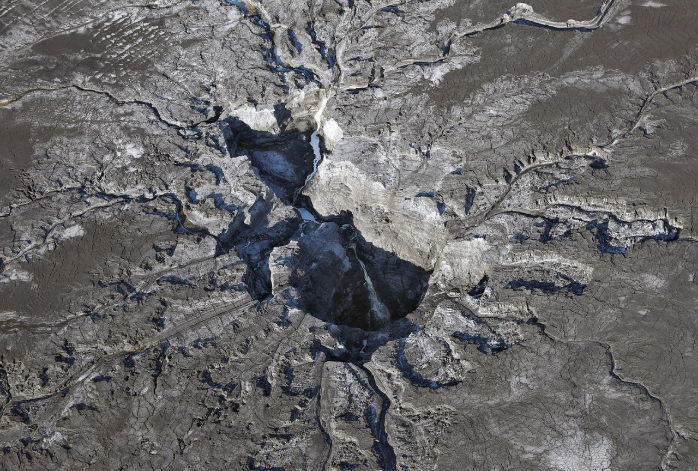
348 235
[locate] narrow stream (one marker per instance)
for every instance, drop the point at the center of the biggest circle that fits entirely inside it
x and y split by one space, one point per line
315 144
378 309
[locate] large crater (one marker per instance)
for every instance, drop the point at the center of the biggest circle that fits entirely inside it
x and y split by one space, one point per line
339 276
345 280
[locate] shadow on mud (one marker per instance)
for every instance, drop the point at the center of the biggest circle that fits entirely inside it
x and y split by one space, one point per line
345 280
282 161
338 276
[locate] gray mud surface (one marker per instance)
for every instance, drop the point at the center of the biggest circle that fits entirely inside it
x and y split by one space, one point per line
348 235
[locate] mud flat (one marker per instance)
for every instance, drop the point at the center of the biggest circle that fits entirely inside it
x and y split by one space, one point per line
270 234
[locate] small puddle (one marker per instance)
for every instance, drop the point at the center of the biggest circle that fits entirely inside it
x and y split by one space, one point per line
306 215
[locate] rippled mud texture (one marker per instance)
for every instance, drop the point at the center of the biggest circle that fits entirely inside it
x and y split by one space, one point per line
270 234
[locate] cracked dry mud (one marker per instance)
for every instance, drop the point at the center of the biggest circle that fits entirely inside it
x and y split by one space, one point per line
350 234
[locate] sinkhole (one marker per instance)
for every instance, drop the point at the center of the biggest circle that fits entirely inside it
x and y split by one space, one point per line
337 275
345 280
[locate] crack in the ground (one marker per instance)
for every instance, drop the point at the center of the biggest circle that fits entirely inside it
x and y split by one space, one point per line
645 105
325 433
382 445
218 111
